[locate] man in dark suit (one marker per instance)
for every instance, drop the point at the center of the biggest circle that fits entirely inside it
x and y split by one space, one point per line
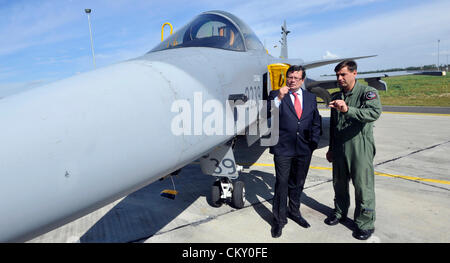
299 134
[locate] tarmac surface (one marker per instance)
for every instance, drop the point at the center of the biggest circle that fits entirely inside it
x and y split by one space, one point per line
412 185
410 109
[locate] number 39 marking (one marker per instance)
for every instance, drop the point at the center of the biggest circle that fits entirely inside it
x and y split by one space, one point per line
226 163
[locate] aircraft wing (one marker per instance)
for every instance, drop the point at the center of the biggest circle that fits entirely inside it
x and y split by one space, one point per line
399 73
316 63
319 63
373 79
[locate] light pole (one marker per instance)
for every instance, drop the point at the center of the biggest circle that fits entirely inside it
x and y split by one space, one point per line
438 66
447 64
88 11
446 68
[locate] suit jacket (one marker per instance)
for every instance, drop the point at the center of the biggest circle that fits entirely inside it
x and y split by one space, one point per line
297 137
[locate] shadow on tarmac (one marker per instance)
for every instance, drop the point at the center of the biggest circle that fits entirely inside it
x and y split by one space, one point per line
144 213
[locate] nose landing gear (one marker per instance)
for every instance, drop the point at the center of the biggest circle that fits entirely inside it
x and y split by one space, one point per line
224 190
221 164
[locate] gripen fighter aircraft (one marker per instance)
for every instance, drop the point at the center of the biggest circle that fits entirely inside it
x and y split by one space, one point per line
75 145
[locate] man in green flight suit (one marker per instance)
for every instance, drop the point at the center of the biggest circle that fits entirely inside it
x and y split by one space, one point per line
352 148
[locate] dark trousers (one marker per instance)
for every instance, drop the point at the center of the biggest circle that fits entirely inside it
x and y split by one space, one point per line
360 170
290 179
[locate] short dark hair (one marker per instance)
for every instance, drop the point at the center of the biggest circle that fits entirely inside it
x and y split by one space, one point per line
350 64
296 68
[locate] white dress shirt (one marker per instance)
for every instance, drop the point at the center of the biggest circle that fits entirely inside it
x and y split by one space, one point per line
299 92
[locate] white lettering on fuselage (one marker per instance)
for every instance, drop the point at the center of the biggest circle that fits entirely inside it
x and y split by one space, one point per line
229 118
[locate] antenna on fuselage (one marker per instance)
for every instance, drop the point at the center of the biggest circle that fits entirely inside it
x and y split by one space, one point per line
284 47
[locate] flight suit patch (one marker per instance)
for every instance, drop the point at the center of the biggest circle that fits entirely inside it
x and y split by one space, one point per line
371 95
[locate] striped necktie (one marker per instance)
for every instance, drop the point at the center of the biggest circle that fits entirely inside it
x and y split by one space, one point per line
297 105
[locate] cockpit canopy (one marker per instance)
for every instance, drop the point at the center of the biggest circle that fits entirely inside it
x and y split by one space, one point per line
215 29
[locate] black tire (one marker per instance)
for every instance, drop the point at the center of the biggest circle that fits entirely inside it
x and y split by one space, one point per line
238 196
322 93
215 195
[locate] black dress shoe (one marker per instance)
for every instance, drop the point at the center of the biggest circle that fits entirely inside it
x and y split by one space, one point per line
276 231
363 234
333 220
299 220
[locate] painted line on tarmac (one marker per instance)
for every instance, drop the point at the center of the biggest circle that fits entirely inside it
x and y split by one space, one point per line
414 178
377 173
416 113
418 151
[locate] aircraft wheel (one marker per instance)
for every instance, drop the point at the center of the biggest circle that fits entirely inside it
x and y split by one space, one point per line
215 194
238 196
322 93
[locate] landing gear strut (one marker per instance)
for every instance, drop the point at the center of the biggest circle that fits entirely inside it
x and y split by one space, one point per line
224 190
221 164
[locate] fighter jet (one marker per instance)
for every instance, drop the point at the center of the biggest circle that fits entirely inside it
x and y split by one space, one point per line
75 145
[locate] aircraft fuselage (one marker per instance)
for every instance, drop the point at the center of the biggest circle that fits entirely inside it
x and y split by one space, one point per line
75 145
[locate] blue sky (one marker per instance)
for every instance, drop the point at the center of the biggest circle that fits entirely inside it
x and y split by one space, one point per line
46 40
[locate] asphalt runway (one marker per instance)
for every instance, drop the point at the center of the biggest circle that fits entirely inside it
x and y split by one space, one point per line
412 184
410 109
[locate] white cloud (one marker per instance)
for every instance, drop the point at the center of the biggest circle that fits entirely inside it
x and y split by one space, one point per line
330 55
52 26
27 24
400 39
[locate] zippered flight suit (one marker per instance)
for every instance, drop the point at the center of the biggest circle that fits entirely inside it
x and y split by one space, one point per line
353 148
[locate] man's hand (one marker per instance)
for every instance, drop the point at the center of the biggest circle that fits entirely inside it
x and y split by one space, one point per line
283 91
339 105
330 156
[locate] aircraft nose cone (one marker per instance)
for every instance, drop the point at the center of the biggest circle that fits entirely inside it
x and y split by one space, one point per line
83 142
